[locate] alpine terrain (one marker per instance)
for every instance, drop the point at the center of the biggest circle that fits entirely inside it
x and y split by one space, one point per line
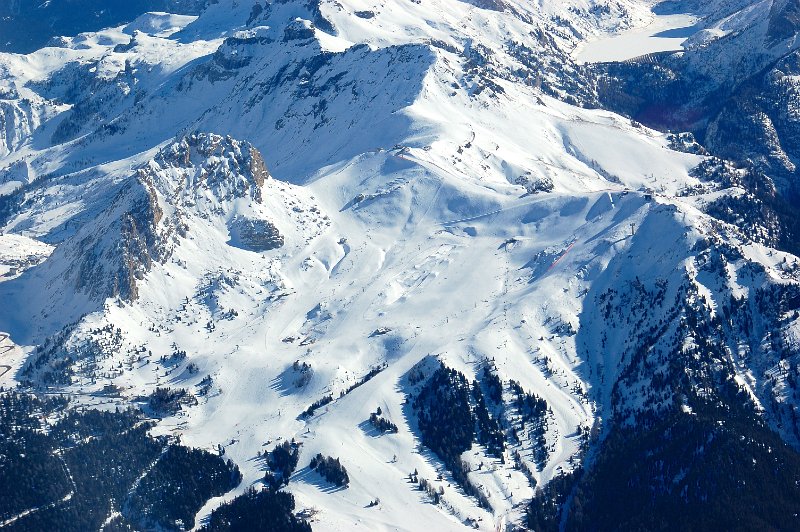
407 265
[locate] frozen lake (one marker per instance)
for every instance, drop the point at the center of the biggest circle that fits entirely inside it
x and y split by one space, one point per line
664 33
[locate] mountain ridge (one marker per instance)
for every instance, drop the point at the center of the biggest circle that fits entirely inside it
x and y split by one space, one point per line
309 221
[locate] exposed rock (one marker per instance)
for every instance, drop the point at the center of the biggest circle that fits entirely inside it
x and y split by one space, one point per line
149 215
535 183
784 21
255 235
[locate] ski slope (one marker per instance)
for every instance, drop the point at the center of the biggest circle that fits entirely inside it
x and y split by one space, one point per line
434 204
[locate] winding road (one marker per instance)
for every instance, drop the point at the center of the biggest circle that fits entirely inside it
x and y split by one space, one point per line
4 349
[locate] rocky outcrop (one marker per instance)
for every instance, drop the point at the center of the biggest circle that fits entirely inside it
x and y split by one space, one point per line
784 21
254 234
108 262
225 167
192 177
18 119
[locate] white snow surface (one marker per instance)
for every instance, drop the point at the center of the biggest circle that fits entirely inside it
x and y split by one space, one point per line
465 223
666 33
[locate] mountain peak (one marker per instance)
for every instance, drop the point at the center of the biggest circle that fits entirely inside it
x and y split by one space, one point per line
225 167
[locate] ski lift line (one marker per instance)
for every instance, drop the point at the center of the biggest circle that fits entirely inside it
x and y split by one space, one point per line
424 162
431 204
524 203
561 256
402 155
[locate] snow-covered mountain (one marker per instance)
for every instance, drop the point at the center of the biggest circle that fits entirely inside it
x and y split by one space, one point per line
734 87
415 237
27 25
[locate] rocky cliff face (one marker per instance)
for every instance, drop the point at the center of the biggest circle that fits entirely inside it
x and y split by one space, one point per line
18 119
110 262
784 21
202 180
202 164
195 176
